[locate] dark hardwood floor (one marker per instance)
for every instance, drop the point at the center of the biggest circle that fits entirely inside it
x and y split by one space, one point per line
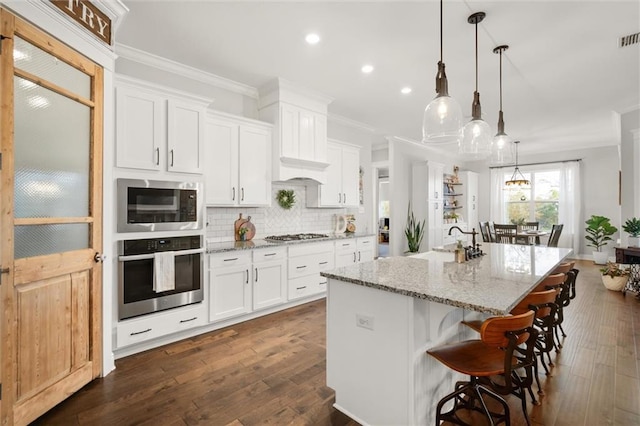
272 371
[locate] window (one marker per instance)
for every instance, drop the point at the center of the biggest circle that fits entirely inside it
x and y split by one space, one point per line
539 203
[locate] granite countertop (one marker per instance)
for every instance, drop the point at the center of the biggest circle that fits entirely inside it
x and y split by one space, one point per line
493 283
224 246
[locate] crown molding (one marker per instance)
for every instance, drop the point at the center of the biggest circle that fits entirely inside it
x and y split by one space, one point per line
164 64
339 119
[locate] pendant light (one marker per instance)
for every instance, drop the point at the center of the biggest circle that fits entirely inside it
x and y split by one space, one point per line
501 146
476 134
442 120
517 179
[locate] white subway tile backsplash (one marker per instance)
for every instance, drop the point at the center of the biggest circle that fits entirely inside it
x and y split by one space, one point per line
273 220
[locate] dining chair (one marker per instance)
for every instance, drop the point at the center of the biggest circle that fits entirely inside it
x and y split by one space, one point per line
492 232
528 226
484 230
556 230
505 234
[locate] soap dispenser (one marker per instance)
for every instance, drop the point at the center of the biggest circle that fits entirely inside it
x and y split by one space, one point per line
460 252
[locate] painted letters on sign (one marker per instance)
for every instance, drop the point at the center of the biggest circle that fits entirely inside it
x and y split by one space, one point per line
87 15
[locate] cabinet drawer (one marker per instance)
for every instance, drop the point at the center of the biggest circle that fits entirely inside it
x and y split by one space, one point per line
157 325
365 243
231 258
310 248
269 254
346 245
305 265
325 261
306 286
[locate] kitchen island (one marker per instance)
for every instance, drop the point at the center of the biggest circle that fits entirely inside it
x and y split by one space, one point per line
382 317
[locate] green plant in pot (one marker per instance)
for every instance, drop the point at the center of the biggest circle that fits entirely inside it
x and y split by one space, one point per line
414 231
632 227
599 232
614 277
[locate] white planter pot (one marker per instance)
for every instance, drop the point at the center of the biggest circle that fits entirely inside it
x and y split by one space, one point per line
634 241
600 257
614 283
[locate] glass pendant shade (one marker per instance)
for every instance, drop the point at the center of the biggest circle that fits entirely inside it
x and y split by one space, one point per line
501 149
476 140
442 121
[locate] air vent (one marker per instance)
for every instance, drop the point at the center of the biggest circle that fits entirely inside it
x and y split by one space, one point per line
629 40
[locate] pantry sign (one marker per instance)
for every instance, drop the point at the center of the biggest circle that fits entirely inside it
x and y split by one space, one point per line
88 15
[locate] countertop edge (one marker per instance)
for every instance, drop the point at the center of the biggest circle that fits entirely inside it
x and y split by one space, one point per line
227 246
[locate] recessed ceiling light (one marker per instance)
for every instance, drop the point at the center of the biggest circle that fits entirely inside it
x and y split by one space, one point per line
406 90
367 69
312 38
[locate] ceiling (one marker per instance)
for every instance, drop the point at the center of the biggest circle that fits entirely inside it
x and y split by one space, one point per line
564 75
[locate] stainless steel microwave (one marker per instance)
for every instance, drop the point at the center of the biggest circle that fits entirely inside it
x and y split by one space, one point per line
149 205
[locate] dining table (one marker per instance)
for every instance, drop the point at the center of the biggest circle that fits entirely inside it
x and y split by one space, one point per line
532 236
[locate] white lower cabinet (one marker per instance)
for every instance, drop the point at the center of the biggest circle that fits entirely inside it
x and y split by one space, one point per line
306 261
149 327
354 250
229 285
269 277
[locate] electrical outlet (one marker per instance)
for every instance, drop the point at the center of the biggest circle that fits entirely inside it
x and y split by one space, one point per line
364 321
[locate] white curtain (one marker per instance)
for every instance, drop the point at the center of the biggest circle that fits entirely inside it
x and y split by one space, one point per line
496 210
569 206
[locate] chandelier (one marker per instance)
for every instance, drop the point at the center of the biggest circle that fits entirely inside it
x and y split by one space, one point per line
517 179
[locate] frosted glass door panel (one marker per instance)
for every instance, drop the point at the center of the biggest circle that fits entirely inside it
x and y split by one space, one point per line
32 59
51 153
38 240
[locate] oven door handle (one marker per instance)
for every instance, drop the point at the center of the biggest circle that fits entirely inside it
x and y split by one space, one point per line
151 256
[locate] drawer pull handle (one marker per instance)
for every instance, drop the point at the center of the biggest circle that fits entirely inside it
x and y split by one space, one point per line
301 267
230 259
346 245
270 254
188 320
366 242
323 283
301 288
323 263
140 332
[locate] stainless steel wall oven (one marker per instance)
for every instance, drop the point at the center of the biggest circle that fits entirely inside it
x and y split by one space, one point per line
136 264
148 205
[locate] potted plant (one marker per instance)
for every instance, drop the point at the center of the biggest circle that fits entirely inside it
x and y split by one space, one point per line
632 227
614 277
414 231
599 232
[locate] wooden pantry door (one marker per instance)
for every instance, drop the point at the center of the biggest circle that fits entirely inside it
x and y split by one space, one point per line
50 225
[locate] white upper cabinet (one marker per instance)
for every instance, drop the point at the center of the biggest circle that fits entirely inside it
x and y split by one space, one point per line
427 204
185 136
300 133
158 128
139 128
237 164
342 185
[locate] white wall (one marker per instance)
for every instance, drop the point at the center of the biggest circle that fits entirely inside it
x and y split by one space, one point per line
630 167
402 155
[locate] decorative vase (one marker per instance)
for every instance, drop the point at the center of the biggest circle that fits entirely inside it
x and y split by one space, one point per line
600 257
634 241
614 283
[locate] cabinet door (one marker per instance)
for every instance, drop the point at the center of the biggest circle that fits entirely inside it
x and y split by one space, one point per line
229 292
289 131
140 128
435 181
366 249
345 258
221 163
471 207
255 166
331 192
269 284
185 137
350 177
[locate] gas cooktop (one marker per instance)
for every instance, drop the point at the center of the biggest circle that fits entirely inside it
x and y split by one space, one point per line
295 237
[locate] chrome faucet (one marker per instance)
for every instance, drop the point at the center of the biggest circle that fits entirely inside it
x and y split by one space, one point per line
473 234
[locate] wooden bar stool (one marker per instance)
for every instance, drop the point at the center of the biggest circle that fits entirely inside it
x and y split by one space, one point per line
554 282
544 306
494 364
